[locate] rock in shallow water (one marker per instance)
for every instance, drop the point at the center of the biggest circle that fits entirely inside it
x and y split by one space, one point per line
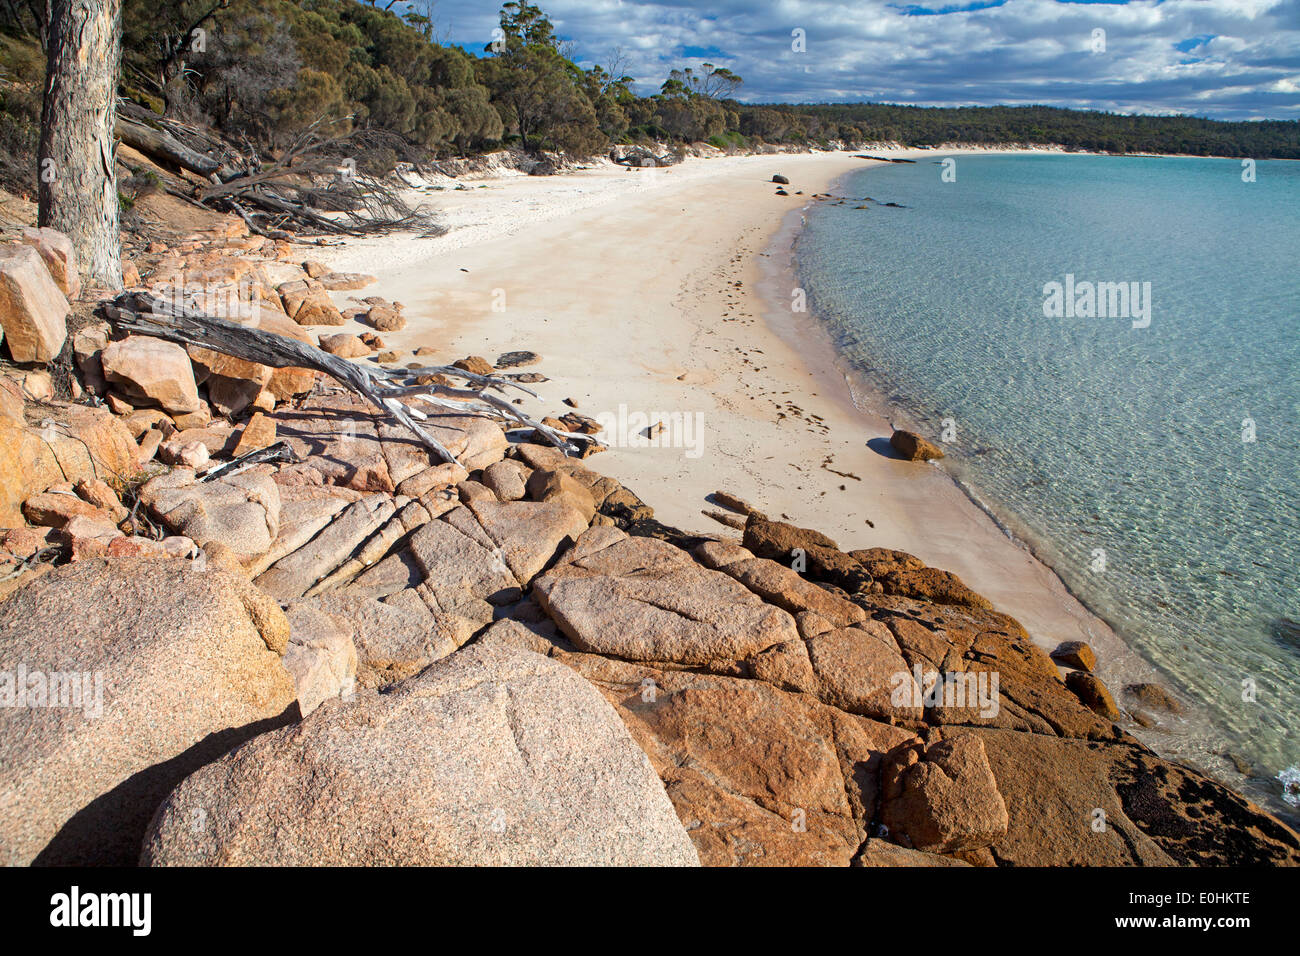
913 447
1092 693
1076 654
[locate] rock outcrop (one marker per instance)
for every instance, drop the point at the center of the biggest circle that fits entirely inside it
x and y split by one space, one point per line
241 512
943 797
66 443
60 258
642 599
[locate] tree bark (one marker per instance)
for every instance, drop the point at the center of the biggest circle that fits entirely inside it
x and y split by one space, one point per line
78 185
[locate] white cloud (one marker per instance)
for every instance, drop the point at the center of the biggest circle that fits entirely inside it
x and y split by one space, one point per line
1022 51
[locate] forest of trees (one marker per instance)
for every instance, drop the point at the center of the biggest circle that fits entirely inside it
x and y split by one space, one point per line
262 71
1075 129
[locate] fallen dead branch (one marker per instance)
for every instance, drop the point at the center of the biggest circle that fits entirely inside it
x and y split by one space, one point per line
384 388
280 451
317 185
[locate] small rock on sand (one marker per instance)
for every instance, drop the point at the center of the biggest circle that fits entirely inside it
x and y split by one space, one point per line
517 359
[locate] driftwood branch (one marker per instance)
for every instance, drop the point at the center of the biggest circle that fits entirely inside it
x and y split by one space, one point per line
147 315
280 451
446 396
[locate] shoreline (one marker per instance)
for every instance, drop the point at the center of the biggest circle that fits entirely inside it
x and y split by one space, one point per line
671 313
1187 738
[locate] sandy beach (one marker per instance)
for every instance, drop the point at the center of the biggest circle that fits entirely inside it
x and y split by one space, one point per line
667 292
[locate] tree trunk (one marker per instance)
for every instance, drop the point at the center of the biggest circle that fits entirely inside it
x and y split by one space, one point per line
78 186
161 145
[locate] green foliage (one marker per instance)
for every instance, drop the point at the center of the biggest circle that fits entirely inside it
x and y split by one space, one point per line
541 95
932 126
732 139
690 117
714 82
269 69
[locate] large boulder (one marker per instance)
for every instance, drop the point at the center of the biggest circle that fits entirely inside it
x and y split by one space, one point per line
286 382
1076 654
33 311
507 480
166 667
1092 693
152 371
345 281
493 756
383 319
880 561
543 485
644 599
931 584
55 509
344 345
779 541
233 383
60 258
308 306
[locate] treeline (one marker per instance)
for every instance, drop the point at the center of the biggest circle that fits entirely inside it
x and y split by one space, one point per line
1075 129
264 71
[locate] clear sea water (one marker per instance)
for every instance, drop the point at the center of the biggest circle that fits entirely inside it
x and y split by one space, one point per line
1087 435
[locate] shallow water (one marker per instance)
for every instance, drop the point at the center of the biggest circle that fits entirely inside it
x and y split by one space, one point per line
1155 466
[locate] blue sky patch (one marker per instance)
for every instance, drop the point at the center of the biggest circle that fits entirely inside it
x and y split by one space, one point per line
916 11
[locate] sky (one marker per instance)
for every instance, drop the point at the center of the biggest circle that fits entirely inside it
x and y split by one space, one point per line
1226 59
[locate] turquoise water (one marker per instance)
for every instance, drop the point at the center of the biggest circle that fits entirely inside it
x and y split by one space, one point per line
1091 438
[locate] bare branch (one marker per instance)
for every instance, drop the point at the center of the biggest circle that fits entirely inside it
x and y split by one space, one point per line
148 315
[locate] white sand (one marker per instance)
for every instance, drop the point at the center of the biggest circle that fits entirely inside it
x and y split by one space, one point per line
638 288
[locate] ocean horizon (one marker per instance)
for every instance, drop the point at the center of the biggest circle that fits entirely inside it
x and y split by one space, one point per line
1106 349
